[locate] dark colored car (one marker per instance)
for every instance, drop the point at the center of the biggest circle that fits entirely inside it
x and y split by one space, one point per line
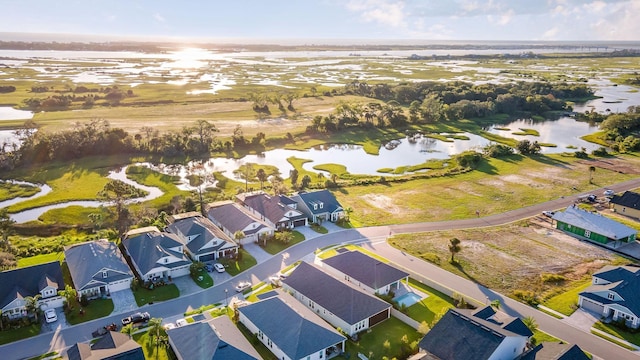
136 318
103 330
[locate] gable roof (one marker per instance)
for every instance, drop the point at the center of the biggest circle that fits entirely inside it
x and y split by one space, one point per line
215 339
324 197
352 305
28 281
554 351
268 206
628 199
203 231
594 222
461 335
305 333
509 323
147 248
112 345
365 269
231 216
624 280
87 259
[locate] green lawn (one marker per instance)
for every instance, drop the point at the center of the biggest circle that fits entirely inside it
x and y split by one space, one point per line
541 336
236 267
206 281
633 338
96 309
273 247
160 293
402 340
40 259
149 348
427 309
566 303
10 190
11 335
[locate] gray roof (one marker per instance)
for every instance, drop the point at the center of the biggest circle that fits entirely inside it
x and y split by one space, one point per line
624 281
593 222
365 269
147 248
329 202
87 260
215 339
459 335
305 333
28 281
554 351
111 346
629 199
352 305
203 231
501 319
268 206
231 216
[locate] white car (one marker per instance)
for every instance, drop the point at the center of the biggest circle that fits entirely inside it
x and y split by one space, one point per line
50 315
609 192
242 286
181 322
169 326
219 267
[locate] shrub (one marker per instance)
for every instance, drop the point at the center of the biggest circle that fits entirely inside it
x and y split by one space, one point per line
527 296
84 301
552 278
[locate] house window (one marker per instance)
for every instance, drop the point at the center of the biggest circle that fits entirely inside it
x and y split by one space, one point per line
104 273
587 233
611 296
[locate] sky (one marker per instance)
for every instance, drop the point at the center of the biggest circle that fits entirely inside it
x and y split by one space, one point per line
408 20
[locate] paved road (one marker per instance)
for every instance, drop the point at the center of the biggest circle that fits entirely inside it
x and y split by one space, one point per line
374 236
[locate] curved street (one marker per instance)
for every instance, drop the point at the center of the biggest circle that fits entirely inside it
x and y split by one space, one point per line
374 239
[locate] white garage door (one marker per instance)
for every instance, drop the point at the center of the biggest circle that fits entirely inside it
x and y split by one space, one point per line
592 306
120 285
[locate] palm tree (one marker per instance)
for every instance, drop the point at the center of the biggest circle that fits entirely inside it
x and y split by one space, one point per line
454 248
496 304
348 211
31 304
592 169
68 294
155 327
127 329
530 323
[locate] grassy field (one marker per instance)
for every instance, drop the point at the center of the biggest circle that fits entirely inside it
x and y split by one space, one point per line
274 246
400 340
632 337
96 309
40 259
567 301
512 258
10 190
10 335
428 308
161 293
150 350
236 267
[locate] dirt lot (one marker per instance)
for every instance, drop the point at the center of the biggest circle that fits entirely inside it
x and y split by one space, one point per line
512 257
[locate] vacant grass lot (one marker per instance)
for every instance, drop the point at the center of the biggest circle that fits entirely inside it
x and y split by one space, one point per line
567 301
167 292
274 246
96 309
512 257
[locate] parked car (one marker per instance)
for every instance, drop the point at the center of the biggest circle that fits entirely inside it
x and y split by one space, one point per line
136 318
609 192
242 286
275 281
169 326
548 213
103 330
181 322
219 267
50 315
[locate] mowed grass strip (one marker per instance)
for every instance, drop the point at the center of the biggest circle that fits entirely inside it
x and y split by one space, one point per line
567 302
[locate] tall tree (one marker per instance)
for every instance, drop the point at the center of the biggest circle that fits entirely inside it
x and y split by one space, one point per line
592 169
156 332
31 304
262 176
246 172
128 329
6 228
454 248
117 192
69 294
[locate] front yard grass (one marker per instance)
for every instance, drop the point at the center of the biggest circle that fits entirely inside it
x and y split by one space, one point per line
11 335
631 337
40 259
427 309
206 281
96 309
236 267
273 247
150 350
160 293
567 302
391 339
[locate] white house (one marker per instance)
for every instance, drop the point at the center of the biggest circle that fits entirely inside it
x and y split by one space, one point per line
202 239
233 218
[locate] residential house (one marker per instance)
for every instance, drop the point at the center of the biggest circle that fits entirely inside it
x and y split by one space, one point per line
232 218
276 211
111 346
97 268
614 294
368 273
215 339
626 204
202 239
554 351
304 335
156 255
591 226
476 334
319 206
17 284
344 306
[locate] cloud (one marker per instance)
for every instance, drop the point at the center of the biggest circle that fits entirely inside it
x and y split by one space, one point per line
385 12
158 17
